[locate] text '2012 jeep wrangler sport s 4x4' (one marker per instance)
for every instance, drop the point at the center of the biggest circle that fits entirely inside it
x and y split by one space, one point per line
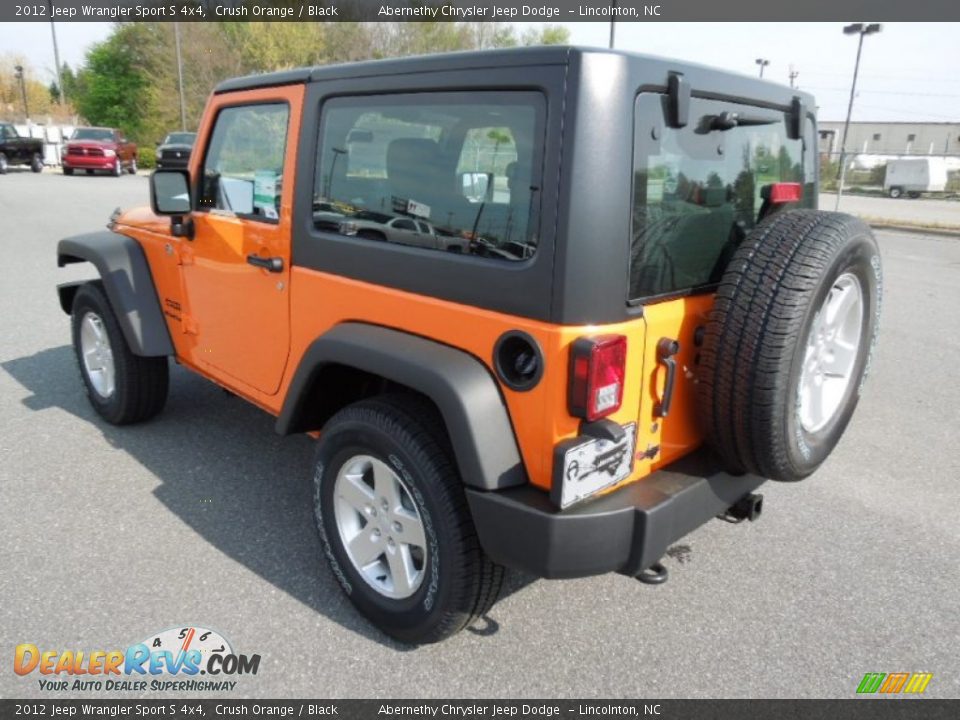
630 316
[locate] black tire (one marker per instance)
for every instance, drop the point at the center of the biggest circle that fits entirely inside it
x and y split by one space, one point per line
141 383
913 194
459 582
4 164
756 339
67 171
895 192
36 163
372 235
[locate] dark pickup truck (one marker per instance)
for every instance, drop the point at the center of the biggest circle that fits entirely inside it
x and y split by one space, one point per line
16 150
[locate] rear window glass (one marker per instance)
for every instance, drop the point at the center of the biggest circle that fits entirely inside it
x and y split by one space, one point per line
697 190
441 171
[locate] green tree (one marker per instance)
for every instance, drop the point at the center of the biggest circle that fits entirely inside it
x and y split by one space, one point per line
115 86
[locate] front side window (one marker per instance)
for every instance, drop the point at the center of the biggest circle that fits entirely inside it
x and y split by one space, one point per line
8 132
243 168
697 189
441 171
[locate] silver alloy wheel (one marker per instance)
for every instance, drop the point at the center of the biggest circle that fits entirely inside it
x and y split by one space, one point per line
380 526
97 355
133 166
831 354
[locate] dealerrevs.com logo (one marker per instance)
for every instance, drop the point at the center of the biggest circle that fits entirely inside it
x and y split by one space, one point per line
172 660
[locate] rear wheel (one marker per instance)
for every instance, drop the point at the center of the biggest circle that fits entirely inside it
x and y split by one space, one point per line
132 169
36 163
788 343
67 171
394 522
4 164
122 387
913 194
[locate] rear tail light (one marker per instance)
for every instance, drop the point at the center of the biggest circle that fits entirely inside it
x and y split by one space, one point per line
785 192
597 371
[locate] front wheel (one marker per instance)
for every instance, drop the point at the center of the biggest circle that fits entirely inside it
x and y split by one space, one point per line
895 192
122 387
117 168
394 523
4 164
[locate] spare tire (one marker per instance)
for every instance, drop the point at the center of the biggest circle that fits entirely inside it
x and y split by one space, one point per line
788 343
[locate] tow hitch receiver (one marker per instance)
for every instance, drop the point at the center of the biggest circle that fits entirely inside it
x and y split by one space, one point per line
748 507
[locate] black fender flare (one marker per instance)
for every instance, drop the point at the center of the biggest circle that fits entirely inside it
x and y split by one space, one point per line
462 388
128 283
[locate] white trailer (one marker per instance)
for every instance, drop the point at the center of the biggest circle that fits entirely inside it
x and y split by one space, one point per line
913 176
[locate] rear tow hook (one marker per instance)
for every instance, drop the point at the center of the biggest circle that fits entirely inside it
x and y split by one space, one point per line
656 574
748 507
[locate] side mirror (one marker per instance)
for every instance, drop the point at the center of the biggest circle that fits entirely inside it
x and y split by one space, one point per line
170 195
477 186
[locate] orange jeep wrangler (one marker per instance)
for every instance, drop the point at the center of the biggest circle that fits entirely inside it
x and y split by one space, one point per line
549 309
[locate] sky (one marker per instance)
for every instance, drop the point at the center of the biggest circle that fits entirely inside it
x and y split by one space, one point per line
908 72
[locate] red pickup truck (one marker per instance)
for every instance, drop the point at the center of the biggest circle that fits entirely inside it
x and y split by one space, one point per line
95 148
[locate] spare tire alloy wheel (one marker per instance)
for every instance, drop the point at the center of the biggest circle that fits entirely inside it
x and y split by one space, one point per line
833 346
789 342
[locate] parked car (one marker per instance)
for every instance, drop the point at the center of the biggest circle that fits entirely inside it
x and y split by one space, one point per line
17 150
97 149
402 230
660 332
174 151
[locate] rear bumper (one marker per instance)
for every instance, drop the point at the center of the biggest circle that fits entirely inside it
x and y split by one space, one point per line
625 531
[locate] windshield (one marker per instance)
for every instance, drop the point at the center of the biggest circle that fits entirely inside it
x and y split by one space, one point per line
182 138
100 134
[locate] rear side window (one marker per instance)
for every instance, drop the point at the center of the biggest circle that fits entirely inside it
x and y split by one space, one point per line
448 172
697 190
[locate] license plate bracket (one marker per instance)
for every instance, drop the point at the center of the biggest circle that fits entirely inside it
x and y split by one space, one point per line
584 466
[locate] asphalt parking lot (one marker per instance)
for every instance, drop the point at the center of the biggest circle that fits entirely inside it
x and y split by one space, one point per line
203 516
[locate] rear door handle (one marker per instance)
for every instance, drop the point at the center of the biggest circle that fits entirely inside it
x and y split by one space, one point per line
272 264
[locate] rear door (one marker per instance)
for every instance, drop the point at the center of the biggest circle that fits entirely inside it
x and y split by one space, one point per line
696 195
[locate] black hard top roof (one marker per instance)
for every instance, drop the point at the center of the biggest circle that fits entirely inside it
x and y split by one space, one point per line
501 58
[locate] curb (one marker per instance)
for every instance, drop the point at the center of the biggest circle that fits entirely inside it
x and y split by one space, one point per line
915 229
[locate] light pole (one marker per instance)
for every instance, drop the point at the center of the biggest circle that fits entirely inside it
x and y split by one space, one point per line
862 30
56 55
23 90
762 62
183 106
613 23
